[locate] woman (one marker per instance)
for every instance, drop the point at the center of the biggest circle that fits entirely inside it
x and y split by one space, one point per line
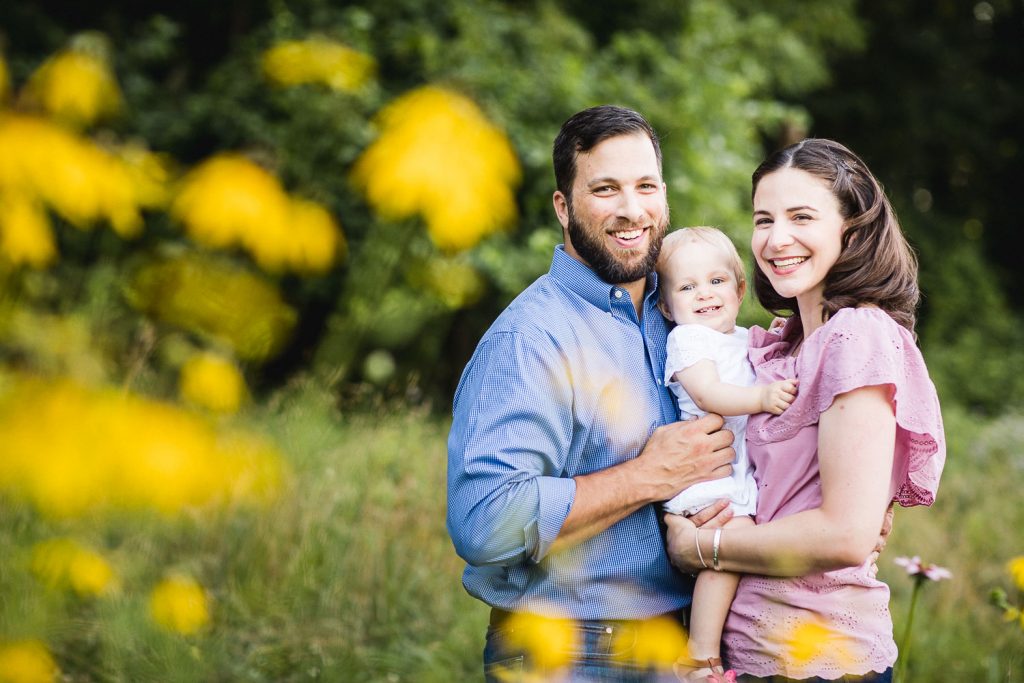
864 430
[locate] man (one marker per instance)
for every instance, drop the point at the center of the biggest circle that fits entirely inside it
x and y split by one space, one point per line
564 438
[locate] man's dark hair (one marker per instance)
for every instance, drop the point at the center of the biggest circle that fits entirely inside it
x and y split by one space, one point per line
586 130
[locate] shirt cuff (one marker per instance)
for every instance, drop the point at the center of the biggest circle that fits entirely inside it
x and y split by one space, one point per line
555 497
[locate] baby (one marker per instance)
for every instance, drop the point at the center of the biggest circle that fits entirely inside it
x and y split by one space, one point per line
702 284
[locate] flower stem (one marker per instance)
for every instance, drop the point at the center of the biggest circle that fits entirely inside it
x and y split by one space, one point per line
904 651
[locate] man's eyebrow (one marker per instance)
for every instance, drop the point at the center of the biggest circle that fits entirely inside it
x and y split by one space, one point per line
609 180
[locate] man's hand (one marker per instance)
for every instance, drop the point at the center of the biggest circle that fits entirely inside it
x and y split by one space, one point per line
778 396
681 454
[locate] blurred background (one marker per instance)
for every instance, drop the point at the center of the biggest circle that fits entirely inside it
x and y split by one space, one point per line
246 248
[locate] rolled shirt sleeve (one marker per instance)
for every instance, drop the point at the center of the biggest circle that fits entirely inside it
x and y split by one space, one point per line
510 438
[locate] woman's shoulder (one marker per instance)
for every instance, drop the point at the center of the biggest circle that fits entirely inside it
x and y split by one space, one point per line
863 322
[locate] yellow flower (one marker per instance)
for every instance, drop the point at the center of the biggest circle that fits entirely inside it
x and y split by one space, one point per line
655 643
812 640
212 381
179 603
81 182
5 79
64 563
26 661
455 282
318 60
71 451
230 201
1015 567
25 233
438 156
218 301
149 174
549 640
76 84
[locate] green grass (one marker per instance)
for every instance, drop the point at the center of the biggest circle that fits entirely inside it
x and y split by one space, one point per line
350 575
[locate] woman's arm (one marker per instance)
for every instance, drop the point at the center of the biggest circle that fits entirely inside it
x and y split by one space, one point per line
712 395
856 444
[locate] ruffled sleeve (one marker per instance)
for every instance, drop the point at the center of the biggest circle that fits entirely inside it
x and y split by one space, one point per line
687 345
861 347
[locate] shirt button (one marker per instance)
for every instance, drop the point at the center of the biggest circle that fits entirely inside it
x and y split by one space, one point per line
618 293
607 629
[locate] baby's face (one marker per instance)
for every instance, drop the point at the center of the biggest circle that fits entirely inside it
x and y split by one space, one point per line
700 287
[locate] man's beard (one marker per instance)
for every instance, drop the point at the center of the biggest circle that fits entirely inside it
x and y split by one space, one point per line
602 261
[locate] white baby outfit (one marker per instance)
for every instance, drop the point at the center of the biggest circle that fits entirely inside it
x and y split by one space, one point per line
687 345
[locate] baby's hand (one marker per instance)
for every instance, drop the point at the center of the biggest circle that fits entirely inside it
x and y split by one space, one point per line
777 396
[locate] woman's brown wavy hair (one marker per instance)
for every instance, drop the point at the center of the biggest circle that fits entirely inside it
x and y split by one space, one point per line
876 264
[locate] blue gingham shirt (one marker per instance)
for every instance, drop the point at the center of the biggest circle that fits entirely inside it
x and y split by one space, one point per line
566 382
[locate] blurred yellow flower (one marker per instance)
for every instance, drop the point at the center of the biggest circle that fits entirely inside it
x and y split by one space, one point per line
78 180
212 381
64 563
438 156
318 60
1016 569
71 450
230 201
549 640
456 283
26 661
811 641
76 84
216 300
25 233
5 80
149 174
654 643
179 603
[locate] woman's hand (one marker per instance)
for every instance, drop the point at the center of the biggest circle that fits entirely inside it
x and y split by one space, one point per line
681 532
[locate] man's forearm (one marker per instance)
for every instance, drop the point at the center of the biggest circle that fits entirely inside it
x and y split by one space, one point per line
602 499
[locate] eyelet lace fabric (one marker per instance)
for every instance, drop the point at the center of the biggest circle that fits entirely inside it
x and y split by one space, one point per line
855 348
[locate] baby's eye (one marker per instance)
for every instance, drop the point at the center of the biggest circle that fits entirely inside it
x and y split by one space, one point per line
717 280
686 288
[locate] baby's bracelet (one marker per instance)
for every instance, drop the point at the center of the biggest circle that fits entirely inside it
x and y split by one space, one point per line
696 540
714 551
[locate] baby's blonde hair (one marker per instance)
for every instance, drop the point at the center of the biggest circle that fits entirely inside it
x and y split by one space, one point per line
713 236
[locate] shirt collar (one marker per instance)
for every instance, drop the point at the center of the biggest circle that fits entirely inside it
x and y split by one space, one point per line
576 276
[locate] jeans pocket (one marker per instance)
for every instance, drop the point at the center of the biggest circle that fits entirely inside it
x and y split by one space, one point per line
509 670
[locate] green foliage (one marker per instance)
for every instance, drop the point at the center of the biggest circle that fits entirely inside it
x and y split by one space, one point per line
709 75
351 576
348 576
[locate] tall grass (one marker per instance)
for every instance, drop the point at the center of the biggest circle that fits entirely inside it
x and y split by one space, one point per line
350 576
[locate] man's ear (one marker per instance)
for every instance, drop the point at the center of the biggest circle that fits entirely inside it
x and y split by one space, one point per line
561 208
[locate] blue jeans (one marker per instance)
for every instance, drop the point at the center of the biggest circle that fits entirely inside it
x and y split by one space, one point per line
884 677
601 652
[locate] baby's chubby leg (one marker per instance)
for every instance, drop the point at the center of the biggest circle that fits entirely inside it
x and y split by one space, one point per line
712 597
